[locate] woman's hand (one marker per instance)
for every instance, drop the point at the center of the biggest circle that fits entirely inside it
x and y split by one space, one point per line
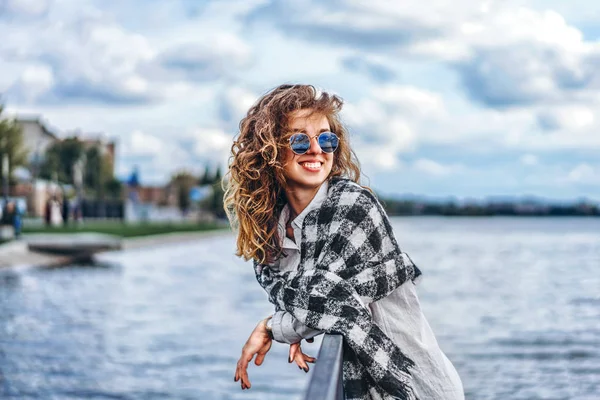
258 343
301 359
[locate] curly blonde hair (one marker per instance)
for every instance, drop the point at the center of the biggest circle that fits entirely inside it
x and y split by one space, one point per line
255 182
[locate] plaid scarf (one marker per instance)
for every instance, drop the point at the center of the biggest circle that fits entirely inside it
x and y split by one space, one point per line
348 254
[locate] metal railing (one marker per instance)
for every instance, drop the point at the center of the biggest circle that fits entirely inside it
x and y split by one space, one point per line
326 379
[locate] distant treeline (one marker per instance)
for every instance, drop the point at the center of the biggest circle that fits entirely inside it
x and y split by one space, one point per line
398 207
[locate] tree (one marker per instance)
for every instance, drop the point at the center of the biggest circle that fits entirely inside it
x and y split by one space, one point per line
11 143
183 182
92 178
113 188
218 176
216 200
97 171
60 158
206 179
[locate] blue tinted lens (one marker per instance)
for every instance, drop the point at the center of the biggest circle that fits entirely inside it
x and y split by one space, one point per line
300 143
328 142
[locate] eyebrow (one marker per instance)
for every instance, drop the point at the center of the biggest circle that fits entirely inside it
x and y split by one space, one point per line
304 130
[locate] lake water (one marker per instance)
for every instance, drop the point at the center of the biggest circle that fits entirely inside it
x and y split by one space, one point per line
515 304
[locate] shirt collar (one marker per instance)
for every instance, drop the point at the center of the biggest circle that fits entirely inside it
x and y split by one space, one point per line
297 222
314 203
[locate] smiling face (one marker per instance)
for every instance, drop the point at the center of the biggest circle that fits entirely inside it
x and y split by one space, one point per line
306 172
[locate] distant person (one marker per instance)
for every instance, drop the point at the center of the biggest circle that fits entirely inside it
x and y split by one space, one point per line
12 217
55 214
66 211
48 211
77 210
9 213
323 248
19 212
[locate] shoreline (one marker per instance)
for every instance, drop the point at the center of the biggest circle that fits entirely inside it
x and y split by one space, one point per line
15 254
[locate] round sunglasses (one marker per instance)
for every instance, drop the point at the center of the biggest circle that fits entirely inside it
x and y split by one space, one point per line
300 142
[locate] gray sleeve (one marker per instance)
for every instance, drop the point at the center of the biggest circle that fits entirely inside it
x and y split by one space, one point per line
287 329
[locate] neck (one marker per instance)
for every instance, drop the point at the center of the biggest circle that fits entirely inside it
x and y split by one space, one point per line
300 199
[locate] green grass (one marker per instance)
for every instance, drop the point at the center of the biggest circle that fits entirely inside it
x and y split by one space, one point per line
126 230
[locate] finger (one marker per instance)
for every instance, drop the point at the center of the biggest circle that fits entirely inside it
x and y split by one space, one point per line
246 384
302 365
300 361
310 359
245 381
259 358
293 349
238 370
243 362
240 378
243 371
306 358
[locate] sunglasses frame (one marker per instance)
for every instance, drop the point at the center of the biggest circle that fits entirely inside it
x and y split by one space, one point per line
310 139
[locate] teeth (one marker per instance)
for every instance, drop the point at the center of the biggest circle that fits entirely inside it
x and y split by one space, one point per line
312 165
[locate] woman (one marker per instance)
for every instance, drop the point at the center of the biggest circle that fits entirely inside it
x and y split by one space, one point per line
324 251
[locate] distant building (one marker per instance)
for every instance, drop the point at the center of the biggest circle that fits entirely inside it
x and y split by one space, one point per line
89 140
37 137
156 195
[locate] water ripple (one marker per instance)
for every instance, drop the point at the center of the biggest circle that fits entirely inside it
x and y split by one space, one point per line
514 304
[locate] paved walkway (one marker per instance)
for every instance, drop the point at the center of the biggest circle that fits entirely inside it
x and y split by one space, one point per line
16 253
171 238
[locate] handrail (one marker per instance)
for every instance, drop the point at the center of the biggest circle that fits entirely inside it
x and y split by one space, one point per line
326 379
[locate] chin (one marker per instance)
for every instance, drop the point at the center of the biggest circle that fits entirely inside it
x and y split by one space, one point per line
308 181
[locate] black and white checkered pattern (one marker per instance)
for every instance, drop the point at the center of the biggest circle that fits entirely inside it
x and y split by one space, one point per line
349 254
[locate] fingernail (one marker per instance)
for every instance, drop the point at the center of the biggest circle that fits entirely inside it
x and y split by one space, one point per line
306 370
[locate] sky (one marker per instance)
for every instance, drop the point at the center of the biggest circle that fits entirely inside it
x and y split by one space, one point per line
459 98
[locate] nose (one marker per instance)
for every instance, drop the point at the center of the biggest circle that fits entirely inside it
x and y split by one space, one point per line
314 146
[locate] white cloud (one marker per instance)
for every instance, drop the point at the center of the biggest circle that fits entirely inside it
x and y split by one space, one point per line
530 69
435 168
377 158
34 81
212 143
410 100
90 57
507 54
584 174
569 118
27 8
233 9
141 144
96 60
222 56
387 122
470 76
156 157
239 100
519 57
529 160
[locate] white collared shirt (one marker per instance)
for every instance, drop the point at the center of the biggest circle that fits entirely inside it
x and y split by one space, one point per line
291 248
399 315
